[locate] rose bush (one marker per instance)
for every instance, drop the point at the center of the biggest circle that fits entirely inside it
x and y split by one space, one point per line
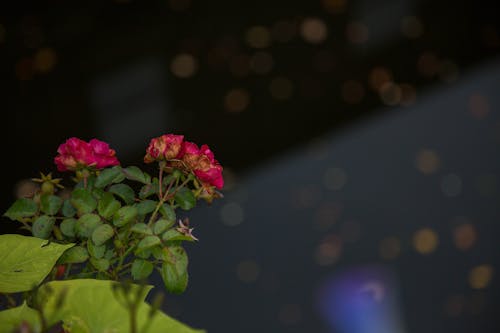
114 223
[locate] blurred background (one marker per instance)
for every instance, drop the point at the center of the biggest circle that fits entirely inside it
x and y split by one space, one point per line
360 141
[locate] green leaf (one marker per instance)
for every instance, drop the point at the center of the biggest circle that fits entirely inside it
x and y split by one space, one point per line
20 209
67 209
174 270
185 198
74 255
161 225
97 193
26 261
109 254
141 228
11 319
141 269
96 307
101 264
50 204
108 205
86 225
149 189
124 216
136 174
42 227
83 201
144 254
168 212
125 192
102 233
109 176
148 242
68 227
174 235
146 207
96 251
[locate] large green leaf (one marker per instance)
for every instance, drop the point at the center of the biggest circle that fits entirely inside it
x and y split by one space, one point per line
109 176
11 319
21 208
26 261
174 269
94 307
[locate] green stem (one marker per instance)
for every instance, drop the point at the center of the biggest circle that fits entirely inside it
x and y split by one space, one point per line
122 258
161 202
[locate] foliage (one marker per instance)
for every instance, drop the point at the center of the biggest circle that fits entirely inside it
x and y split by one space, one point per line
114 223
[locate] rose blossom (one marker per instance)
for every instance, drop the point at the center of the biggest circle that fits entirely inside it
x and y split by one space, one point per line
104 156
165 147
76 153
203 164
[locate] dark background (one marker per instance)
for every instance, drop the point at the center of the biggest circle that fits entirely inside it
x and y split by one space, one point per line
359 139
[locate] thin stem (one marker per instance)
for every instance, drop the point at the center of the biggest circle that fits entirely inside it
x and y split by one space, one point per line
160 182
161 202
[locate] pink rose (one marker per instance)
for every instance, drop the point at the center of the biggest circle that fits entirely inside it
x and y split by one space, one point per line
203 164
103 155
165 147
76 153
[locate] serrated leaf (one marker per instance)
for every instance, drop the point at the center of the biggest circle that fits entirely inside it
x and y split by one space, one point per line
124 216
83 201
101 264
21 208
174 270
148 242
96 251
42 227
136 174
185 198
125 192
102 233
80 299
86 225
50 204
146 207
161 225
26 261
109 176
141 228
11 319
141 269
167 212
74 255
174 235
108 205
67 209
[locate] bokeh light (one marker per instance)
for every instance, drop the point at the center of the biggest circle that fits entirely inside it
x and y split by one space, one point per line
425 241
236 100
184 65
480 276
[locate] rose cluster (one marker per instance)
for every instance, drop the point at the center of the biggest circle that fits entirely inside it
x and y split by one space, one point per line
76 154
186 156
